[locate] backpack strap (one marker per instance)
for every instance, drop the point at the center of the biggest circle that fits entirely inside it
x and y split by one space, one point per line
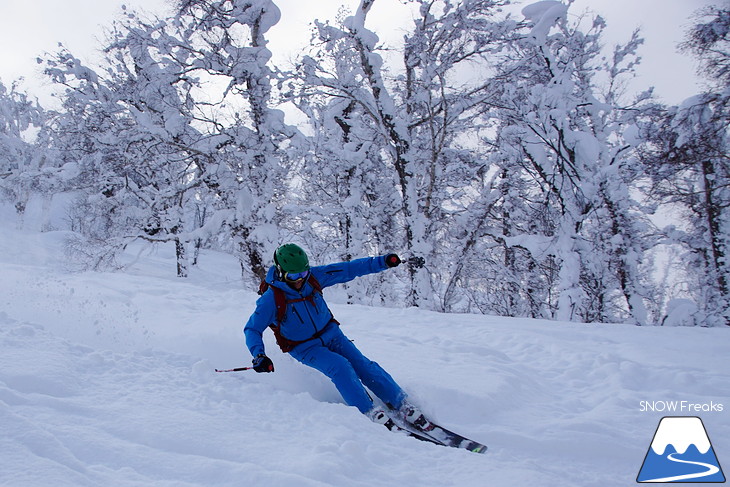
279 299
263 287
281 302
314 283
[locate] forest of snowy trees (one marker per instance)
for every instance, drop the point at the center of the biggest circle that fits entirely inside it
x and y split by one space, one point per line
503 151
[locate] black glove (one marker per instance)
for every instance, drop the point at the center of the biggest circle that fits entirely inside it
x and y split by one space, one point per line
392 260
416 262
262 363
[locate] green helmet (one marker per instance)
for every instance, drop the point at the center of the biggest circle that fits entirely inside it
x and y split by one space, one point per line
291 258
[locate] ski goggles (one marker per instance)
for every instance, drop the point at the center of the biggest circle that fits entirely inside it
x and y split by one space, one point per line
295 276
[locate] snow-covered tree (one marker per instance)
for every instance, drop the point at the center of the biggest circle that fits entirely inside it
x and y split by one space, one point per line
228 38
17 115
24 169
129 130
178 125
687 159
561 140
409 133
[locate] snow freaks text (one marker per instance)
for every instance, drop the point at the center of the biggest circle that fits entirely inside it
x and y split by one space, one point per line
680 407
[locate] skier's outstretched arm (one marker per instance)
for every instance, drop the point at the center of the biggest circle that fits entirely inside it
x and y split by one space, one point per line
340 272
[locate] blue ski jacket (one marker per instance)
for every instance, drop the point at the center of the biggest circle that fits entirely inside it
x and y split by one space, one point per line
305 318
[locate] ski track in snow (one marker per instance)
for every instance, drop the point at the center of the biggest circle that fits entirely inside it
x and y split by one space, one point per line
108 379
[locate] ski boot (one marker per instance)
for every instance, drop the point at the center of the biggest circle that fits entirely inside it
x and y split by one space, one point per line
379 416
412 415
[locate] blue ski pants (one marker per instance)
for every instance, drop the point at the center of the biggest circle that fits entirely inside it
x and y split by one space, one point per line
338 358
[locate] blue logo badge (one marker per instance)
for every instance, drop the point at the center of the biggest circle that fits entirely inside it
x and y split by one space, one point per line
680 452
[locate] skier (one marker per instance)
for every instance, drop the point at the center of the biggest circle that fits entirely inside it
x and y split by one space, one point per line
293 306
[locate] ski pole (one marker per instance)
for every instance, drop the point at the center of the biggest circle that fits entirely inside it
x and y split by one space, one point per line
237 369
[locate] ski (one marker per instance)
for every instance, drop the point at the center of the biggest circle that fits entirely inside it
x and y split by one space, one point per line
454 440
441 436
392 426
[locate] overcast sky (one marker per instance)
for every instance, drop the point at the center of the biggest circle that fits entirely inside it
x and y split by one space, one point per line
28 29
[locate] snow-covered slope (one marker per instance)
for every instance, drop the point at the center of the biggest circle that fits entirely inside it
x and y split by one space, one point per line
106 379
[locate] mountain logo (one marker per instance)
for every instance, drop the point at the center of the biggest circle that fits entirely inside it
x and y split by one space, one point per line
680 452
